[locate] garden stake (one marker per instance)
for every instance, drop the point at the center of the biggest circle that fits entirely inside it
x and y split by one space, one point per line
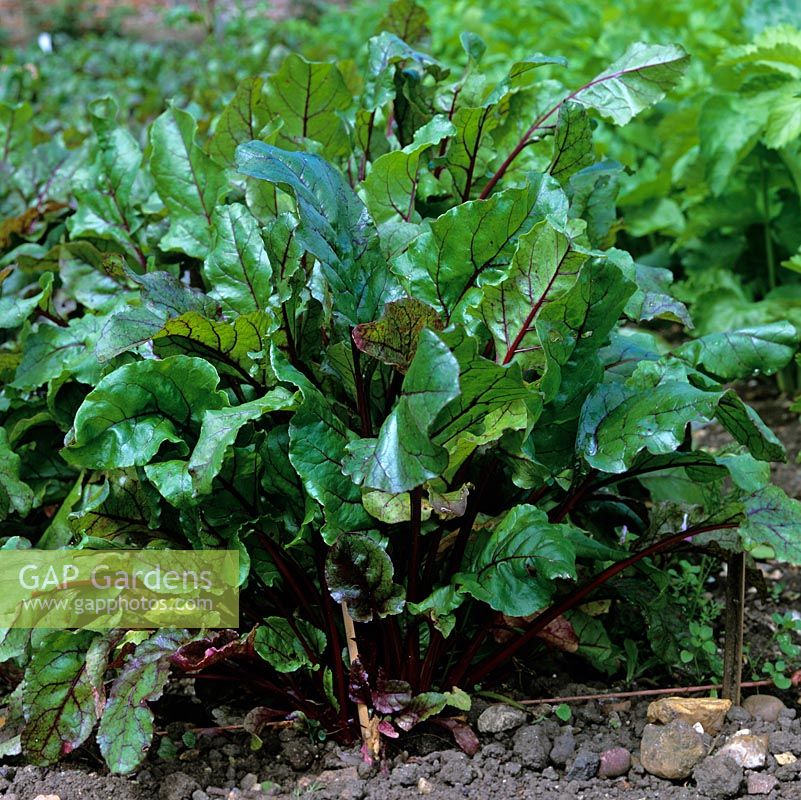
733 646
370 737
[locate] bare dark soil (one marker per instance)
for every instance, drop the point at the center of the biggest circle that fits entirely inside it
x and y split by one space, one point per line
539 758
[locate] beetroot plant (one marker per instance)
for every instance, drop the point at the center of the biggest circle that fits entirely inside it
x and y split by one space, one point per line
371 331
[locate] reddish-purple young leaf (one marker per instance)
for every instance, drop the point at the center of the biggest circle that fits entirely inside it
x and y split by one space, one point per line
257 719
462 734
390 695
393 338
202 653
63 694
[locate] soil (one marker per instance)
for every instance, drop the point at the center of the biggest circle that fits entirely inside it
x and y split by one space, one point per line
537 757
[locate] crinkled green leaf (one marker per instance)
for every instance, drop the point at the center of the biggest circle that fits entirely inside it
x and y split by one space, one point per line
406 19
390 188
232 346
242 120
618 422
15 495
135 409
105 188
742 353
359 572
187 180
335 227
237 267
308 97
391 508
126 728
513 567
317 449
393 338
15 309
469 149
63 694
471 245
278 644
773 519
51 350
544 265
404 455
220 428
638 79
572 144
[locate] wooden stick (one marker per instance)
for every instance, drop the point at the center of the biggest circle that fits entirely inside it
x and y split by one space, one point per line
796 679
368 737
733 646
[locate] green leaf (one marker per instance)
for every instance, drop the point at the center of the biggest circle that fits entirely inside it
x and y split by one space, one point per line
126 728
237 267
124 421
513 568
572 144
618 422
63 694
543 267
187 180
359 573
15 309
15 130
391 187
107 188
308 97
773 519
470 148
638 79
15 495
403 456
219 430
393 338
242 120
742 353
234 347
407 20
471 245
391 508
334 227
317 448
277 642
50 351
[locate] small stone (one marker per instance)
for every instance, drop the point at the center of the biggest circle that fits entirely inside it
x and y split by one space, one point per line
249 782
738 714
405 775
532 746
424 786
709 711
550 774
199 794
46 797
783 759
234 794
456 769
177 786
585 766
216 791
764 706
748 750
564 747
671 751
614 763
500 717
761 783
718 777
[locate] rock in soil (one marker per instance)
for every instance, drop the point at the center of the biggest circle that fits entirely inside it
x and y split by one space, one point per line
500 717
710 712
671 751
532 746
760 783
748 750
718 777
177 786
614 762
564 747
764 707
584 767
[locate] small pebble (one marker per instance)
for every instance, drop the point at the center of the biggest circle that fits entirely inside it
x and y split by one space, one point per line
248 782
424 786
614 763
761 783
782 759
764 707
